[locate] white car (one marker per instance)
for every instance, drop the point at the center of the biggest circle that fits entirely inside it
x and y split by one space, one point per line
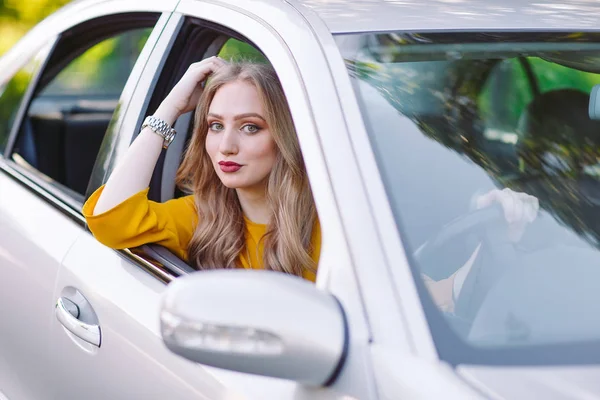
405 111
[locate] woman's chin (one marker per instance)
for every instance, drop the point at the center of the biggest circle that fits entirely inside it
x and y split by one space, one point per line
239 184
233 183
229 184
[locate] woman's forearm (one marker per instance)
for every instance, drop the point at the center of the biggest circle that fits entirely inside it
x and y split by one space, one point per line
445 291
134 171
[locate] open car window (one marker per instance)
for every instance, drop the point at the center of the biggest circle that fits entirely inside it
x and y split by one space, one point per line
194 42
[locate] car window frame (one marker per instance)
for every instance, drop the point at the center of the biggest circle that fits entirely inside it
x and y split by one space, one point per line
234 21
192 39
151 100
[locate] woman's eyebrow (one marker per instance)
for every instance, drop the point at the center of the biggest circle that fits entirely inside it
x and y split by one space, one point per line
249 115
240 116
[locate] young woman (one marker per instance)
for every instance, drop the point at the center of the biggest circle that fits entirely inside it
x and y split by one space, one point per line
250 205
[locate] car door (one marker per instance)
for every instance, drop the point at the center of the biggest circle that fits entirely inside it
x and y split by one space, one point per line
30 255
54 117
124 288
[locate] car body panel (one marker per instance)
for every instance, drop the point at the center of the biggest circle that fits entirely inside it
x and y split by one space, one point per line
126 300
346 16
411 378
34 238
552 383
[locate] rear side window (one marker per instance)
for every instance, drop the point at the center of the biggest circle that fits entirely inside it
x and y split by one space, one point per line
67 118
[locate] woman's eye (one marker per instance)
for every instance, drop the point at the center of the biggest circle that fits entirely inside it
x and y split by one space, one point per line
250 128
215 126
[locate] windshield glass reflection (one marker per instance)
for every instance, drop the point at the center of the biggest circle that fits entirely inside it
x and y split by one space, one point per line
453 118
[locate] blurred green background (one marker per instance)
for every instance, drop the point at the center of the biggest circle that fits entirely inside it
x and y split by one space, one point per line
18 16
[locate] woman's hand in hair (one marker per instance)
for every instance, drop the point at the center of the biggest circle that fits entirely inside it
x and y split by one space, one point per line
186 93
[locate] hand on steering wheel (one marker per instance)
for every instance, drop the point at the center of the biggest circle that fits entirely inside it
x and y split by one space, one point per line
520 209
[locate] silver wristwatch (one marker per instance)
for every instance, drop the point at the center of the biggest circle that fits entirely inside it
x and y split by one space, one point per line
161 128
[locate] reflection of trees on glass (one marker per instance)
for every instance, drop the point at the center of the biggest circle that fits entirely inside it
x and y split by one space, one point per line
103 69
509 115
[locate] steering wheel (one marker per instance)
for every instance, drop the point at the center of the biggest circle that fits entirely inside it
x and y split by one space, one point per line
497 253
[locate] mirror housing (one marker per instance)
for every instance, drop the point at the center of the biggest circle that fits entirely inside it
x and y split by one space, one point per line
258 322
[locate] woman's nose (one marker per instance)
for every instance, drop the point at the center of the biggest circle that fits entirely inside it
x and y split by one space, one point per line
228 143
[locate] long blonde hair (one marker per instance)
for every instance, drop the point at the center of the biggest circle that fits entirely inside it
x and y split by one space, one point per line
219 237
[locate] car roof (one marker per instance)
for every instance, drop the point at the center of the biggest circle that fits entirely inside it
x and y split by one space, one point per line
345 16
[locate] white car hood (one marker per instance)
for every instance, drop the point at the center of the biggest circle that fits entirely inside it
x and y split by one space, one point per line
548 383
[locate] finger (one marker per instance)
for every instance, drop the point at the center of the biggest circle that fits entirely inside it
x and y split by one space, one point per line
488 199
530 204
220 61
533 206
210 62
513 208
200 71
214 65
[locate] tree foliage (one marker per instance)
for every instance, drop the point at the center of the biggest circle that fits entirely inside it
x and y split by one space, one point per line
18 16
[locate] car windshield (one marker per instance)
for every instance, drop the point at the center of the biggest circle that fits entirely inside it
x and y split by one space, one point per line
454 116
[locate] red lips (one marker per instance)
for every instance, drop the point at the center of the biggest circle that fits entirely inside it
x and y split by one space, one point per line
229 166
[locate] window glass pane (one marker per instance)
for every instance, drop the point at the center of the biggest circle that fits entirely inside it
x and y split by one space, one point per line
454 116
66 121
101 70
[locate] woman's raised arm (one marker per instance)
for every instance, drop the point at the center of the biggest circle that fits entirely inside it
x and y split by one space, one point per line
134 171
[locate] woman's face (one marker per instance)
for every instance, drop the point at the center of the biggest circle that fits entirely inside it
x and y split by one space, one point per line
238 141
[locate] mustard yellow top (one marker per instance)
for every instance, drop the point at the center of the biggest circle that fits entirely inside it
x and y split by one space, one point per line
137 221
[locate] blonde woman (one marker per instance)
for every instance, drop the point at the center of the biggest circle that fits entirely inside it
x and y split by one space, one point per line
250 205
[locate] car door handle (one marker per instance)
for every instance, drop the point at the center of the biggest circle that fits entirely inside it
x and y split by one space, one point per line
67 313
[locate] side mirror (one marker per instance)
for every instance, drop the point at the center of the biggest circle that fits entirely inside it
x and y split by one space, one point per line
594 108
259 322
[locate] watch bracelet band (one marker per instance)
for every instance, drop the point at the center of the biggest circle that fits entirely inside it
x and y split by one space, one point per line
161 128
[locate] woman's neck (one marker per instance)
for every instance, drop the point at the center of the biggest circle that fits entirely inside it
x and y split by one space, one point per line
254 205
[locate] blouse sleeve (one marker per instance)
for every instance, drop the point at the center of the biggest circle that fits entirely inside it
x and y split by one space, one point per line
137 221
